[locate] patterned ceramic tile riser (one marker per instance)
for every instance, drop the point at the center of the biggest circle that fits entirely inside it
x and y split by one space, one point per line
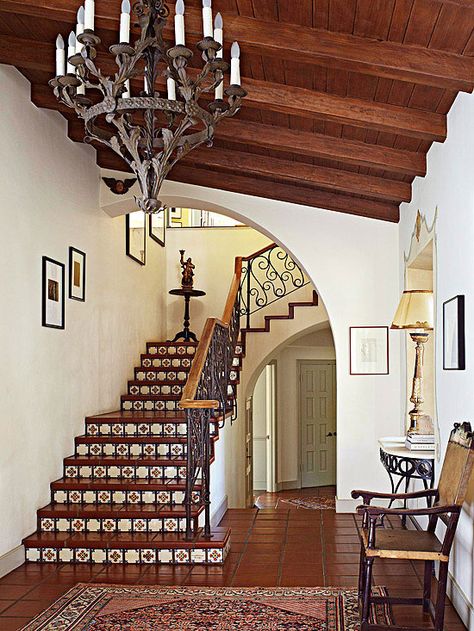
136 388
111 524
125 496
211 556
126 472
148 448
143 428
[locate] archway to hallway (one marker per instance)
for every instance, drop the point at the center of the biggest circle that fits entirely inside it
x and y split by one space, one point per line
291 402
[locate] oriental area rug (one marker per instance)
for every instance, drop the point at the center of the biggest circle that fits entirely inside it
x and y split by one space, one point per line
90 607
312 501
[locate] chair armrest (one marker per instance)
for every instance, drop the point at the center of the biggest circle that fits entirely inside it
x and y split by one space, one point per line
377 511
368 496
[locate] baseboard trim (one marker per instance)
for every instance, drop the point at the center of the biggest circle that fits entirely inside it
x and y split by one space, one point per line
11 560
287 485
346 506
220 511
460 601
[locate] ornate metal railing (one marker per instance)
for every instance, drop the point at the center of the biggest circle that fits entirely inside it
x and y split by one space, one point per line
206 399
267 276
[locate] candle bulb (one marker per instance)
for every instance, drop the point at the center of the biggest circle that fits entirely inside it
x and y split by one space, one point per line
89 10
71 50
125 23
126 94
235 64
179 33
171 85
219 37
207 18
79 28
60 57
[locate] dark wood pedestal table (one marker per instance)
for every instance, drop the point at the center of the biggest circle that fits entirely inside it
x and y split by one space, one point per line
406 465
186 334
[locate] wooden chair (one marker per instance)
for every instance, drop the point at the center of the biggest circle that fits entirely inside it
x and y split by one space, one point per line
379 542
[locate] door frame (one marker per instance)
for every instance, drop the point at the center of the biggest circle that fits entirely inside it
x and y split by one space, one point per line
272 411
299 364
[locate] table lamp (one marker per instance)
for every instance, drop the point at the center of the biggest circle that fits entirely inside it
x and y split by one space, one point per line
415 314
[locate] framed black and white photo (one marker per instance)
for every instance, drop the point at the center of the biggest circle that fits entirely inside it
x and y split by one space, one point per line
369 350
454 353
77 274
156 226
53 302
135 236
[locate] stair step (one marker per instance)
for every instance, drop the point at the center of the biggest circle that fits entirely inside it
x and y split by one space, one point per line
161 374
131 446
99 547
152 361
169 344
118 491
156 389
116 518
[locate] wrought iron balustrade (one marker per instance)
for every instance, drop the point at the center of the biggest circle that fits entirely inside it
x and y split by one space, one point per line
268 276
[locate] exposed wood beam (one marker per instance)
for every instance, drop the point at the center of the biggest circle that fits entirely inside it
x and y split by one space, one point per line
270 96
297 43
270 190
297 173
291 141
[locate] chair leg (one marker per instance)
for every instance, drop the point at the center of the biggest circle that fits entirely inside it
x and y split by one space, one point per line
366 598
441 596
361 572
427 585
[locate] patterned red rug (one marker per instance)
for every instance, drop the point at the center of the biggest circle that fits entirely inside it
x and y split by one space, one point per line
312 501
90 607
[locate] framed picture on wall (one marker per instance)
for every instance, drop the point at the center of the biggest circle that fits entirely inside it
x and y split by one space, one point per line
77 274
369 350
454 353
156 226
53 302
135 236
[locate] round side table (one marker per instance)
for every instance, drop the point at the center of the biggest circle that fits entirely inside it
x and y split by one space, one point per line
186 334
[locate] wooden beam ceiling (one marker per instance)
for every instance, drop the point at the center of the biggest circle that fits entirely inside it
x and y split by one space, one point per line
295 43
344 100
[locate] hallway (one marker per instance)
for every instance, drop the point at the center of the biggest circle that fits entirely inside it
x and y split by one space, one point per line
277 544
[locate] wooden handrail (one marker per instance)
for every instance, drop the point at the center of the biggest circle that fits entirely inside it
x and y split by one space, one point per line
188 400
259 252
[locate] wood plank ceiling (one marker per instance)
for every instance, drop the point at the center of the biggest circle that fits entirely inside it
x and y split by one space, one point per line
345 96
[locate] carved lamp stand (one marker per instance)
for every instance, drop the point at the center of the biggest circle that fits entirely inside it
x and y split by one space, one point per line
415 313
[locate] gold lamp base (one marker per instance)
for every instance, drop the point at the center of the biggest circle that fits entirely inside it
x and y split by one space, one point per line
420 423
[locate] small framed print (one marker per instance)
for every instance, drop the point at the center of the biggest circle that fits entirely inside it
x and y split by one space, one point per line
369 350
135 236
53 303
77 274
454 352
156 226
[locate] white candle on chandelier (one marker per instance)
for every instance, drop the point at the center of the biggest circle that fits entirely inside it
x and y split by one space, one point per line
171 85
235 64
179 33
207 18
79 28
125 23
219 37
126 94
71 50
60 57
89 10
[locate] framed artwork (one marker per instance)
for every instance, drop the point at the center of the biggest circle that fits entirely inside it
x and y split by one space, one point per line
135 236
53 302
175 217
156 226
454 352
369 350
77 274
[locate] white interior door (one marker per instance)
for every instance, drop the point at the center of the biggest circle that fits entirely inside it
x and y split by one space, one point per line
318 423
248 453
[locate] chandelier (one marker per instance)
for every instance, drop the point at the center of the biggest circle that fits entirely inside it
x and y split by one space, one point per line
150 132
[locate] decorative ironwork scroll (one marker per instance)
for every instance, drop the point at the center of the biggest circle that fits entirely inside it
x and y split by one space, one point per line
267 276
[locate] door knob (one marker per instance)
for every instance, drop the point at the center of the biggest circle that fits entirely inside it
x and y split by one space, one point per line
330 434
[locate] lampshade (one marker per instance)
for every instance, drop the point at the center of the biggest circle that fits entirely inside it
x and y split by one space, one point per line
415 310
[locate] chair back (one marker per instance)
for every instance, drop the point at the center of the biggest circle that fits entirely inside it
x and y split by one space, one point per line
457 466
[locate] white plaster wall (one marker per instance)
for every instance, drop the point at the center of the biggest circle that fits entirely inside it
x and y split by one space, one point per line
449 186
213 251
50 378
259 417
352 262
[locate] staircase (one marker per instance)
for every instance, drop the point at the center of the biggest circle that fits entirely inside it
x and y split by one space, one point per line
137 489
121 497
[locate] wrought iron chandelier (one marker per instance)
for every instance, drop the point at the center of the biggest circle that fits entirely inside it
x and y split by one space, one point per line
150 132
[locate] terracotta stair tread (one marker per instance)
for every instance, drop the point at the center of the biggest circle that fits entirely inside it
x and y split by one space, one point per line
118 484
152 397
126 540
134 416
158 440
123 461
170 343
121 511
161 382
